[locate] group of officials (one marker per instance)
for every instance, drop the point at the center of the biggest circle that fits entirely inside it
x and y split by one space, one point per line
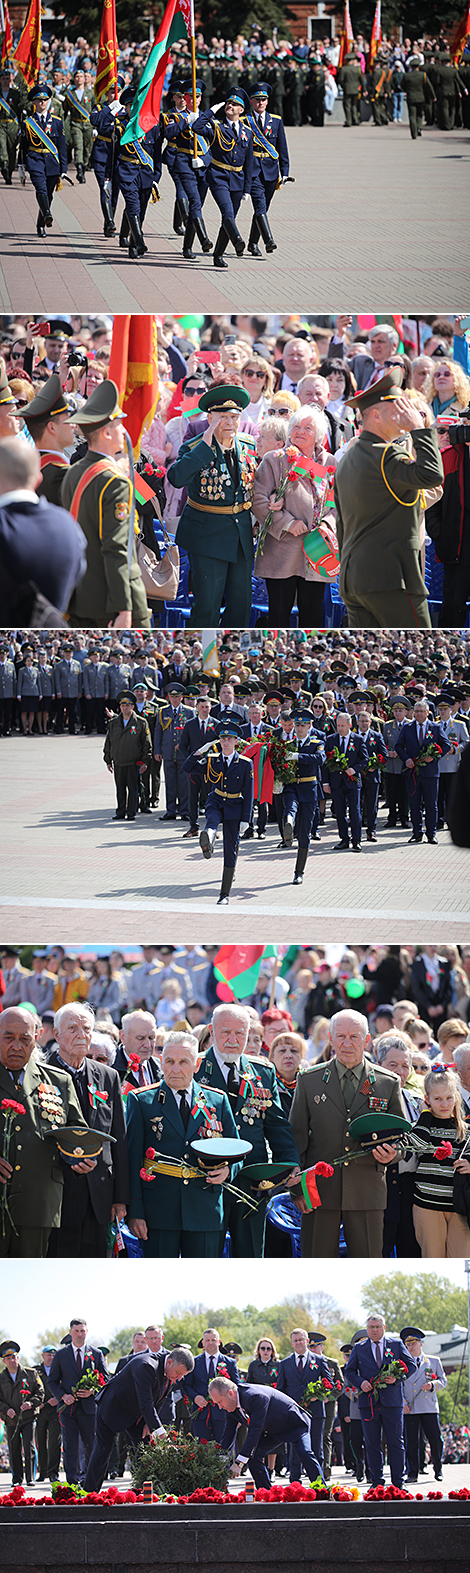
385 1393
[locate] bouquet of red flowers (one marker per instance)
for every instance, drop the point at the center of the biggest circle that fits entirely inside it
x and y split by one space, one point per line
429 751
284 761
336 760
322 1389
375 762
390 1367
10 1109
91 1381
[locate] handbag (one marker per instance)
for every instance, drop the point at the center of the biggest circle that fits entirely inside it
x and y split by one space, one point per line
160 579
320 547
461 1188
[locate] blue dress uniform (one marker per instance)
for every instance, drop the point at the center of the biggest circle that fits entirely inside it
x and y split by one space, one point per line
139 168
193 736
271 164
294 1382
229 803
346 790
96 690
423 784
215 527
260 1119
231 172
104 161
207 1424
192 180
371 779
169 726
43 152
184 1216
383 1409
300 798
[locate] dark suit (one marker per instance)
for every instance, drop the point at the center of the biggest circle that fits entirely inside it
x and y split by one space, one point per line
274 1419
346 790
77 1419
47 1437
293 1382
425 996
122 1066
423 784
129 1401
384 1408
86 1207
42 548
207 1424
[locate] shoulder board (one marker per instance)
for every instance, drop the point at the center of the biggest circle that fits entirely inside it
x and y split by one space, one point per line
247 438
191 443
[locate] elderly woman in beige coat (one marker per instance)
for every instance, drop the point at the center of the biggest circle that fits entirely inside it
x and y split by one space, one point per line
280 560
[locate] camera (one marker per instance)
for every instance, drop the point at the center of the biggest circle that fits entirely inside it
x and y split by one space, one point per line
457 428
77 358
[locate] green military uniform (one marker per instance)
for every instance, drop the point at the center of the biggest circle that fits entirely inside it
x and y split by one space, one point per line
449 87
149 783
379 87
8 129
102 504
27 1387
378 503
78 113
184 1215
418 91
205 74
350 81
34 1192
215 525
315 95
49 403
293 89
125 747
260 1119
275 77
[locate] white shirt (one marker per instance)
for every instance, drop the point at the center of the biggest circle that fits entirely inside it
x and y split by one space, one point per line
223 1063
375 1349
20 495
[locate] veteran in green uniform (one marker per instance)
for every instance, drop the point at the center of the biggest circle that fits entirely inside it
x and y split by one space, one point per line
418 90
47 419
98 493
350 80
8 127
215 526
21 1395
127 752
378 503
251 1087
31 1174
450 87
79 102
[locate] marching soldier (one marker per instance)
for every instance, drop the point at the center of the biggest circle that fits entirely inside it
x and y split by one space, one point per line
418 90
450 88
229 801
300 799
99 495
127 753
47 419
8 127
79 103
271 164
104 158
350 79
231 172
190 162
379 87
139 168
43 153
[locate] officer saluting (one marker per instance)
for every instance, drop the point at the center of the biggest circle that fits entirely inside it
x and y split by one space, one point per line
215 526
43 152
48 421
99 494
271 163
229 802
231 171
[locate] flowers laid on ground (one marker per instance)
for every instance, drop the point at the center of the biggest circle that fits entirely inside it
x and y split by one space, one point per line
64 1495
11 1110
181 1464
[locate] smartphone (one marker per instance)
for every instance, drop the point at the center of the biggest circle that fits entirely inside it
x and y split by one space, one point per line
41 329
208 357
465 323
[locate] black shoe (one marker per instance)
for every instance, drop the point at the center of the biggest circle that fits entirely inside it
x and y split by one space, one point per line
316 836
205 844
254 251
145 810
341 846
288 830
390 824
166 816
109 229
248 834
48 219
185 817
371 836
219 262
191 833
261 835
119 816
41 231
130 816
433 841
438 1477
414 838
298 879
411 1480
282 846
222 901
356 846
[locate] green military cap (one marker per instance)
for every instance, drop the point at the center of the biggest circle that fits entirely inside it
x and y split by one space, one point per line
387 387
9 1348
102 406
372 1129
443 56
192 688
59 328
125 694
400 699
6 395
50 401
266 1176
224 398
76 1142
231 1349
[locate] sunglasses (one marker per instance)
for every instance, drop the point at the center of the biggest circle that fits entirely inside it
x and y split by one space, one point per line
266 1346
280 410
16 354
248 373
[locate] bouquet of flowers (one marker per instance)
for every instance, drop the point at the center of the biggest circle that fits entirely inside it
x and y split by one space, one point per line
91 1381
25 1396
390 1367
284 762
375 762
321 1389
298 468
179 1463
336 760
10 1109
429 751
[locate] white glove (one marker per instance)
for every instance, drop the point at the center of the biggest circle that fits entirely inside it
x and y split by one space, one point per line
215 107
115 107
243 826
22 174
197 163
246 196
284 180
193 114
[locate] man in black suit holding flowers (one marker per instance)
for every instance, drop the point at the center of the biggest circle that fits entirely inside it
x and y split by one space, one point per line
421 744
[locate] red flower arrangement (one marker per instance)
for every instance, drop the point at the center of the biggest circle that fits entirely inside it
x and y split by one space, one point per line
10 1108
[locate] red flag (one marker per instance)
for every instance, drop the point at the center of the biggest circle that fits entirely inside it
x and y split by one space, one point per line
28 49
7 36
238 966
462 33
133 366
106 71
347 36
176 24
376 37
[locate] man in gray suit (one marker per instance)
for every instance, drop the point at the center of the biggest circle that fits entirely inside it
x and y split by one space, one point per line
458 737
326 1100
69 687
421 1404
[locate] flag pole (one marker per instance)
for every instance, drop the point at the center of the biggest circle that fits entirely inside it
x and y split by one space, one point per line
193 73
273 981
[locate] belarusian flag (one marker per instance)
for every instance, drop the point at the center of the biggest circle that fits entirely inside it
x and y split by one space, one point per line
210 654
376 37
145 109
239 966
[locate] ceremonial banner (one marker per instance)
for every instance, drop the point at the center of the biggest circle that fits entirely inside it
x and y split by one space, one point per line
28 49
5 29
239 966
145 109
462 33
347 36
106 71
210 656
376 38
133 366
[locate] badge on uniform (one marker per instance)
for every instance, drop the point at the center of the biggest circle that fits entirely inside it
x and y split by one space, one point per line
50 1104
157 1127
121 510
378 1105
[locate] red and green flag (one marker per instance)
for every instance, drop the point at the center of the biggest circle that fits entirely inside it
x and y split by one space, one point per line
237 967
145 109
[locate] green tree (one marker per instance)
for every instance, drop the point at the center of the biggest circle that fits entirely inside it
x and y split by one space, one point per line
428 1300
230 18
121 1343
453 1399
51 1335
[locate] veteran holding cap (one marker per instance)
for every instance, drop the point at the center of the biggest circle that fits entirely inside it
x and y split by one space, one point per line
21 1394
44 1101
98 493
48 421
378 490
215 525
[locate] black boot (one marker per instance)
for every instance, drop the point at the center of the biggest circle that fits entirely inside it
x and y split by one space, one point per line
265 227
226 886
80 174
235 236
188 241
137 245
40 226
253 239
124 232
4 172
206 842
109 225
220 246
180 215
302 856
202 234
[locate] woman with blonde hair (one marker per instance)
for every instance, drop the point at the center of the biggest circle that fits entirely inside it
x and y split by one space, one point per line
263 1371
449 393
285 519
439 1229
287 1052
258 379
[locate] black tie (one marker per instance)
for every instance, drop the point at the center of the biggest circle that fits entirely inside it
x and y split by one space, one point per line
211 1368
184 1110
378 1356
78 1361
233 1081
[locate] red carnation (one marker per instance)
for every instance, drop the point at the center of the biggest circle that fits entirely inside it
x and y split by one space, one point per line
148 469
150 1153
324 1169
444 1151
10 1103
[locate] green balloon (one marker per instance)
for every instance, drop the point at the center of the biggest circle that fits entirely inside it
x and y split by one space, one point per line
191 322
355 988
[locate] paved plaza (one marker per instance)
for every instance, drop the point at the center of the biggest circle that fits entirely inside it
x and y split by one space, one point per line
373 220
66 866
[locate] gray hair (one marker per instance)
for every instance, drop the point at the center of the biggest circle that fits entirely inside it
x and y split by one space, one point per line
463 1048
220 1009
317 417
390 1040
129 1017
73 1005
375 1316
385 327
101 1040
308 376
357 1017
222 1384
181 1355
274 426
181 1037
